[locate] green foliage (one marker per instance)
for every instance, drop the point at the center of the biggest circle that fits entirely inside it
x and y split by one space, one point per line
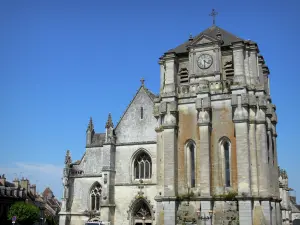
25 213
228 196
51 220
186 196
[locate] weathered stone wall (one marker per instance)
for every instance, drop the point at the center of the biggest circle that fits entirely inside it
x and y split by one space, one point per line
132 128
125 156
222 126
187 130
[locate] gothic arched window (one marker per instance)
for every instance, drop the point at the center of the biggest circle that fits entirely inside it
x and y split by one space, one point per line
142 166
95 197
225 147
190 162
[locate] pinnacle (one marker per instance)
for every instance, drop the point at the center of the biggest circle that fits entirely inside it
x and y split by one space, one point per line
109 123
91 125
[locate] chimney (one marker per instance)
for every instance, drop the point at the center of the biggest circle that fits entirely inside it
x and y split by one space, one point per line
2 180
16 182
25 184
33 189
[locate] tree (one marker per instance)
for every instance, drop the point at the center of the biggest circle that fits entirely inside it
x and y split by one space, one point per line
25 213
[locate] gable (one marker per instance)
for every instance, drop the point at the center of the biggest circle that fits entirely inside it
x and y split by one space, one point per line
132 128
203 39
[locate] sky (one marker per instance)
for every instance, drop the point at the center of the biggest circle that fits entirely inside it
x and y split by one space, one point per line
64 61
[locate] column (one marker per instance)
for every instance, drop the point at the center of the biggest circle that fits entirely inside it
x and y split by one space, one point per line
204 123
240 105
274 142
261 146
266 211
238 59
278 214
273 212
245 212
270 161
162 74
252 144
170 73
169 111
253 64
241 121
247 65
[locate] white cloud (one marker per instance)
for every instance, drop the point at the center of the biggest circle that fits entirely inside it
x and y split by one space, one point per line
43 175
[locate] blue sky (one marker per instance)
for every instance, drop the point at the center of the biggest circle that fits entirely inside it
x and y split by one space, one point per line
64 61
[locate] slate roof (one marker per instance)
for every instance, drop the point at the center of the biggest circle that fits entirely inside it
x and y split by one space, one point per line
212 31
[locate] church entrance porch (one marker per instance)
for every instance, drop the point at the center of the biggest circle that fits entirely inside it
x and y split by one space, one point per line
141 214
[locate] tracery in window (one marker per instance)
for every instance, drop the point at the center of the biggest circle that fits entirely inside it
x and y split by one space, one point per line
95 197
142 166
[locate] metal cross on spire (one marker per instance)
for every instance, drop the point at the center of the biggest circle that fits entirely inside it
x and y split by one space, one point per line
213 15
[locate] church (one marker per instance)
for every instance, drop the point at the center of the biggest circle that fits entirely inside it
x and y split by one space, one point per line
201 151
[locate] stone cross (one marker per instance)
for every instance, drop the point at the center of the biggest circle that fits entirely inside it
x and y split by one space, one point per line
213 15
142 81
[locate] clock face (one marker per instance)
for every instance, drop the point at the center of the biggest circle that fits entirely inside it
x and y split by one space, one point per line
204 61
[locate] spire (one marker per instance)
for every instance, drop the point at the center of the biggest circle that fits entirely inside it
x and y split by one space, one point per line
91 125
109 123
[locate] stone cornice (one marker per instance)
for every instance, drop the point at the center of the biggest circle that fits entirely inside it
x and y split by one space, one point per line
201 124
136 184
169 127
136 143
212 198
241 120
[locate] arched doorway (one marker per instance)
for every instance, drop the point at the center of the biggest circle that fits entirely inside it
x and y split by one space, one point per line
141 214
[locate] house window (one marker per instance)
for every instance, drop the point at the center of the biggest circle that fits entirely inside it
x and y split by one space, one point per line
95 197
142 112
143 166
226 147
190 159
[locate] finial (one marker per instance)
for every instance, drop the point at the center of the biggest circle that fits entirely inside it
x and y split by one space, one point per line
68 159
91 125
213 15
109 123
142 81
191 37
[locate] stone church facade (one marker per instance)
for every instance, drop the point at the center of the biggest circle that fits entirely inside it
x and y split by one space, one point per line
202 151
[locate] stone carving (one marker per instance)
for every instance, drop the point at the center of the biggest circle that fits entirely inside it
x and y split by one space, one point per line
66 183
105 178
186 214
163 107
